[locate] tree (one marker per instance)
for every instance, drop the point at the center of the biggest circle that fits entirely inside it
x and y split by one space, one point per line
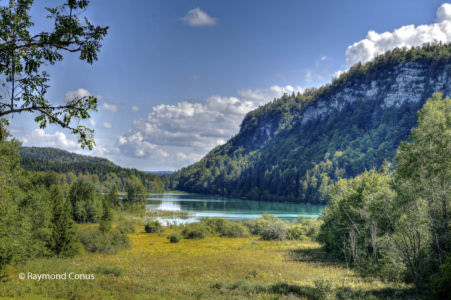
136 193
23 56
105 220
113 197
86 207
357 216
424 172
63 241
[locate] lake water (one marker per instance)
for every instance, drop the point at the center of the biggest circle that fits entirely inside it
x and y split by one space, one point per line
200 206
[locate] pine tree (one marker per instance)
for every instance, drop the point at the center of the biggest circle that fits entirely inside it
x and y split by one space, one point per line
113 197
63 241
105 221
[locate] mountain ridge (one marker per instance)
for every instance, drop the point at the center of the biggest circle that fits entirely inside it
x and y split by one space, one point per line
292 148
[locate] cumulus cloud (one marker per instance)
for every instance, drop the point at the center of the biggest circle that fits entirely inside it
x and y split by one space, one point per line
107 125
197 17
180 134
40 138
378 43
79 93
110 107
135 108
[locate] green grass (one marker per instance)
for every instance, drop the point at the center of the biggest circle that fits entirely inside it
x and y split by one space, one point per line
210 268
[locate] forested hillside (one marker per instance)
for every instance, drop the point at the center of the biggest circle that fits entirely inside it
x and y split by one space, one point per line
99 170
294 147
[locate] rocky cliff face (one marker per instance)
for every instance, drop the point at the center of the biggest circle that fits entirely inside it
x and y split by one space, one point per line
293 147
408 82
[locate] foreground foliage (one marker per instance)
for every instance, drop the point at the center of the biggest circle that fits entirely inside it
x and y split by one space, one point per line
396 224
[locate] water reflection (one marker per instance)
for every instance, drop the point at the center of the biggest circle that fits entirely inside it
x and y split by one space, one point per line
200 206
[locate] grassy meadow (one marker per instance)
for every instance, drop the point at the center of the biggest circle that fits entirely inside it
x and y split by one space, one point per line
209 268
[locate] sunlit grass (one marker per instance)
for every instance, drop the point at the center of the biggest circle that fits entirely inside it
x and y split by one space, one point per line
157 269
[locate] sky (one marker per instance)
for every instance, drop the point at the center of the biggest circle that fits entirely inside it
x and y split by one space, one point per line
175 78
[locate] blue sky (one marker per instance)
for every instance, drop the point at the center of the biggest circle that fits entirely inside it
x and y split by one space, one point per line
175 78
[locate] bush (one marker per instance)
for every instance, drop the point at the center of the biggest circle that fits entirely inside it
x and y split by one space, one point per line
153 227
225 227
234 229
255 226
126 226
215 224
174 237
195 231
441 284
324 290
297 232
274 231
304 229
268 227
97 241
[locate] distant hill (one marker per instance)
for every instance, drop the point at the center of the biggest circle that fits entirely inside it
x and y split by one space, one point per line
160 172
294 147
61 161
62 156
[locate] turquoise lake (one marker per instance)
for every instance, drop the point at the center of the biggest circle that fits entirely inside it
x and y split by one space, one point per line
200 206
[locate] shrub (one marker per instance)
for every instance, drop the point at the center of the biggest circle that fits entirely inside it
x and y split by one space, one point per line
304 228
225 227
441 283
324 290
153 227
174 237
234 229
126 226
215 224
268 227
97 241
255 226
195 231
274 231
297 232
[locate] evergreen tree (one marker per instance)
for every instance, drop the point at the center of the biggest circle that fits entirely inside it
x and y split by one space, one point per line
86 206
113 197
63 241
105 221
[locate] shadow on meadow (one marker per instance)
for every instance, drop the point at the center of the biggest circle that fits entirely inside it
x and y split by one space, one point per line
322 290
313 255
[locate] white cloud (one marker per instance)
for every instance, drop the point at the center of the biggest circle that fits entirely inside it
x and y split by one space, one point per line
177 135
40 138
110 107
378 43
79 93
444 13
135 108
197 17
92 123
107 125
338 73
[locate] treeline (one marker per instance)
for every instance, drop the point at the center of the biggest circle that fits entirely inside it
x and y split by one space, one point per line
395 223
276 156
102 172
38 211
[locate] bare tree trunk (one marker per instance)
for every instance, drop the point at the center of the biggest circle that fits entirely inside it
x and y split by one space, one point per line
373 234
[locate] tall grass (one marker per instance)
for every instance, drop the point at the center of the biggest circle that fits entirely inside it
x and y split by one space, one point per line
210 268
